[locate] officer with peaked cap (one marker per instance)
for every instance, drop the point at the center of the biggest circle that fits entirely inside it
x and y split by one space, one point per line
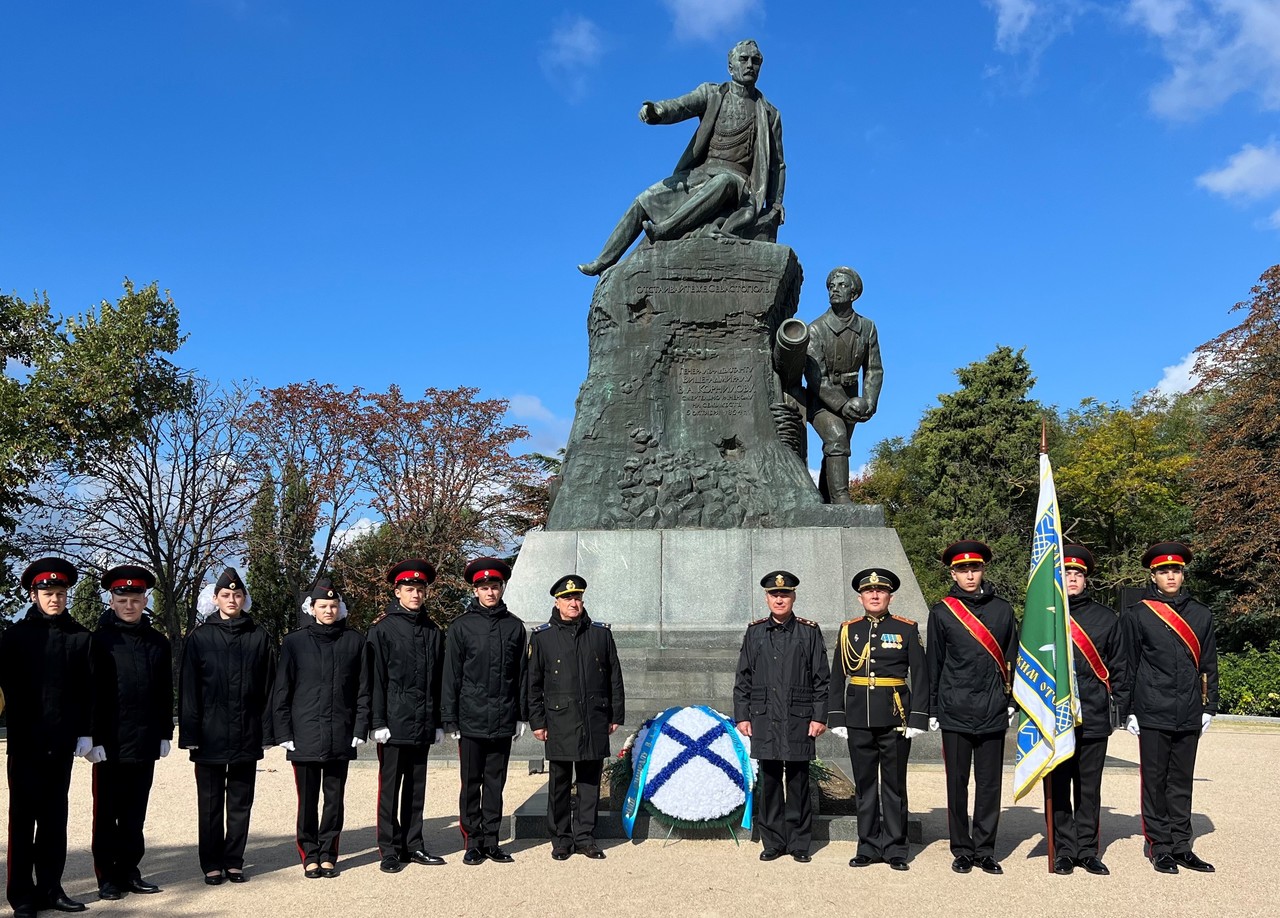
224 720
780 701
576 701
321 710
132 728
406 657
484 704
1174 696
973 642
45 679
879 703
1101 665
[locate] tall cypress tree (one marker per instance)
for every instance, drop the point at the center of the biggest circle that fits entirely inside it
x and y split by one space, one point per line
296 533
272 601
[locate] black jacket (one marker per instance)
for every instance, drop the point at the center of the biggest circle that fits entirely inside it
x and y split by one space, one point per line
1165 683
322 692
575 687
782 685
485 667
1104 629
224 694
45 677
966 686
406 653
896 652
132 689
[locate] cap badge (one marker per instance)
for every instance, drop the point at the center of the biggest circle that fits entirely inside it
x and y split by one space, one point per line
779 581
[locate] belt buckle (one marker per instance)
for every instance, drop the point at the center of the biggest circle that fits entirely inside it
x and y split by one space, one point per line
871 680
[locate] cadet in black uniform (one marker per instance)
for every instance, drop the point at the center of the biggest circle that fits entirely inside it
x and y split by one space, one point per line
1174 678
973 641
871 706
321 713
132 728
780 701
406 655
224 719
484 704
576 701
44 675
1101 664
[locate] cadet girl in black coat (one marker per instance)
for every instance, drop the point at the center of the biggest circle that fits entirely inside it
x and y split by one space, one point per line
321 716
228 667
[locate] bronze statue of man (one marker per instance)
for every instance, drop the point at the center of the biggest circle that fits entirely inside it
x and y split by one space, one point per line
844 350
731 177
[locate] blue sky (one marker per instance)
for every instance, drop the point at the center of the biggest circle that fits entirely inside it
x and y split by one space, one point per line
399 191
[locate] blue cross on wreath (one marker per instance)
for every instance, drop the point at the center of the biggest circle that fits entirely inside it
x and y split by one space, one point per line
693 748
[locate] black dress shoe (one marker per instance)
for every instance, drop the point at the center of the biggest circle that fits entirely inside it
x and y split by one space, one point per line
426 859
312 873
473 856
770 854
65 903
862 860
990 865
494 853
962 863
24 911
1094 866
328 872
593 852
110 891
216 879
139 885
1189 860
899 863
391 864
1063 865
800 857
560 854
1164 863
237 876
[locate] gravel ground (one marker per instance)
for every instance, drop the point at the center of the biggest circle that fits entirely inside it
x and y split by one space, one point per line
1237 793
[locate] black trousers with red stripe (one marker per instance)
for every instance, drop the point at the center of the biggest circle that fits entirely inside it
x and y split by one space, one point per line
983 753
1168 766
320 829
483 763
1077 799
224 799
402 794
38 786
120 794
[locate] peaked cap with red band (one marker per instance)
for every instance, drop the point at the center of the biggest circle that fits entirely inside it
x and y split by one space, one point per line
482 569
414 570
1163 554
1077 557
49 573
966 551
128 578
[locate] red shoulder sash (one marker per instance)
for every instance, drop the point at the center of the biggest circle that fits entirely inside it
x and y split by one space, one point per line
1081 639
981 633
1178 625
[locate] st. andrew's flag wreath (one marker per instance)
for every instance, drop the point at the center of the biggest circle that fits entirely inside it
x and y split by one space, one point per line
1045 682
689 768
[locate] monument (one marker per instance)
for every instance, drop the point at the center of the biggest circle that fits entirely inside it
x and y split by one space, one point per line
686 473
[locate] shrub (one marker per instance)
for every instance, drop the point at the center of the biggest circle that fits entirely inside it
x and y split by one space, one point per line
1249 682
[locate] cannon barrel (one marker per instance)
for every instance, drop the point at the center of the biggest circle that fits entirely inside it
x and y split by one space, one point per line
791 346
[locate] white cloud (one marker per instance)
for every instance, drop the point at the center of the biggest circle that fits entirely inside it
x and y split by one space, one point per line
1026 28
1254 172
1215 49
1180 377
571 53
702 20
1013 18
548 432
529 408
1274 220
349 535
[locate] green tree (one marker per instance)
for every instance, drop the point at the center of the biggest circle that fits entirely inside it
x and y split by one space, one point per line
297 530
86 602
272 601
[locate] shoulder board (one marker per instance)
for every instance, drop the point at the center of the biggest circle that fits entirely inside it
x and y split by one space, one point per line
600 624
759 621
905 621
805 621
543 627
381 616
853 621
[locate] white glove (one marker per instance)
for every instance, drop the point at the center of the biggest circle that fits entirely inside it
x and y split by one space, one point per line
165 746
1132 725
95 755
913 732
456 734
357 741
842 732
288 745
83 745
1205 720
382 735
933 724
521 726
439 735
1011 710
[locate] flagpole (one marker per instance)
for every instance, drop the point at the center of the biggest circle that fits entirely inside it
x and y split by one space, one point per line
1048 785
